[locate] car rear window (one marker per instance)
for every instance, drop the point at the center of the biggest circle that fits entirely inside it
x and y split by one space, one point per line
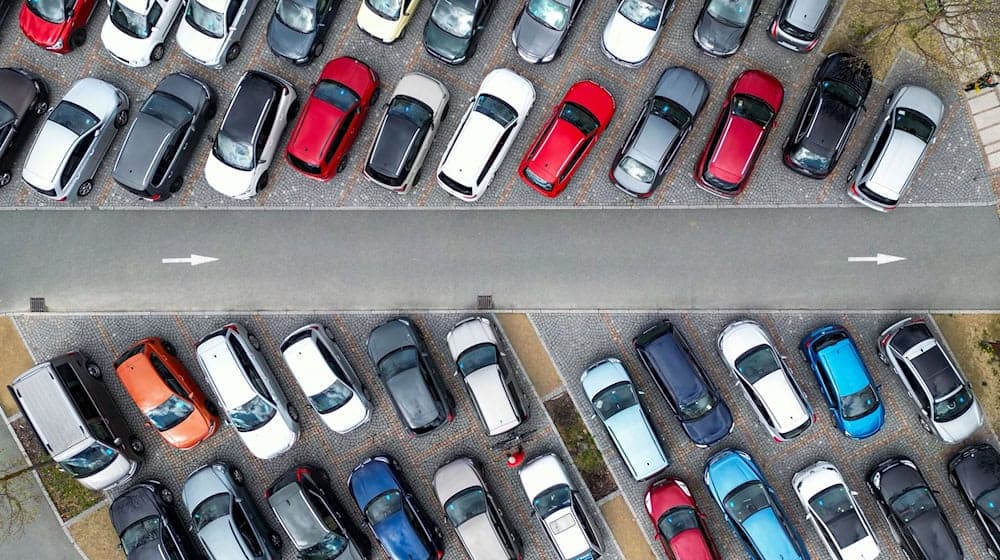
336 94
752 109
914 123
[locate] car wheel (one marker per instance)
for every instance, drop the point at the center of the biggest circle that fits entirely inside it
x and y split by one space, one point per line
78 38
883 358
444 112
237 476
416 178
40 107
953 480
293 413
211 408
275 540
176 184
166 495
328 333
316 50
211 111
254 342
5 178
293 110
85 188
232 52
322 478
94 370
136 445
157 52
342 165
121 119
262 182
375 96
850 174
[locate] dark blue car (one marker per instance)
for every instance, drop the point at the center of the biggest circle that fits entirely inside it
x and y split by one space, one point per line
850 392
391 512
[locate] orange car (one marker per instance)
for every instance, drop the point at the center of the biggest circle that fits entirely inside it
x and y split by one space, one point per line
166 394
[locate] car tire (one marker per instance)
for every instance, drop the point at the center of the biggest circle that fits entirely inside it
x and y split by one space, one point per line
342 165
176 184
293 413
262 182
316 50
40 107
328 332
237 476
157 53
136 445
293 110
254 342
78 38
444 112
121 119
169 347
85 188
275 540
212 110
94 370
850 174
322 478
232 52
166 495
5 178
952 479
375 95
211 408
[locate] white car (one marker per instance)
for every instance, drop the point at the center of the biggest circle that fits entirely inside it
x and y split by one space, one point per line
386 20
632 32
251 399
136 29
766 381
831 507
211 30
557 505
486 133
326 377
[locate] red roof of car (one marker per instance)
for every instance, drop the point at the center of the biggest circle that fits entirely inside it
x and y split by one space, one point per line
687 545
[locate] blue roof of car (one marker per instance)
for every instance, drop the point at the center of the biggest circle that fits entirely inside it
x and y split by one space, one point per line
846 368
728 470
370 480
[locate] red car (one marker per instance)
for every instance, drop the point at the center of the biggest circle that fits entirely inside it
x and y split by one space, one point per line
576 124
56 25
746 118
332 117
680 527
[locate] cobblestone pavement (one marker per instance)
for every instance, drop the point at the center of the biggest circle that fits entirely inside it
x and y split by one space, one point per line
954 172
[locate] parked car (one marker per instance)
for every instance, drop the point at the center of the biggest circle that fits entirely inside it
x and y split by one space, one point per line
486 133
834 512
975 472
243 150
224 517
663 124
850 391
948 407
146 525
751 507
452 33
883 174
471 509
684 383
332 117
397 350
250 395
302 502
59 27
631 34
541 28
331 385
615 401
680 526
159 144
297 28
392 513
797 24
499 403
913 513
556 503
829 113
166 394
746 119
135 30
386 20
412 118
564 142
76 136
24 99
723 24
766 380
211 30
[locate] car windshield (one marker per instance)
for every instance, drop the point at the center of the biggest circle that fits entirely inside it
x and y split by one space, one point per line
733 12
615 399
171 412
698 407
201 18
641 13
338 95
383 505
331 398
637 170
552 500
671 112
757 363
142 532
397 362
579 117
841 91
550 13
130 22
747 500
676 521
167 108
753 110
989 503
73 117
52 11
454 16
465 505
211 509
476 358
913 503
233 152
295 15
389 9
859 404
89 461
954 406
835 509
252 414
914 123
810 159
330 547
410 109
496 109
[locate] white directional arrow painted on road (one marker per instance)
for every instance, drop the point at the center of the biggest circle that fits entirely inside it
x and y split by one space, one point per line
193 260
878 259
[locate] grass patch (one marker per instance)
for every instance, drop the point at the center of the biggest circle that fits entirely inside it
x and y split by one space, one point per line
969 337
96 536
68 495
581 446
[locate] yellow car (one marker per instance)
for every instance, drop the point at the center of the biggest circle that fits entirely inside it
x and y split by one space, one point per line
385 20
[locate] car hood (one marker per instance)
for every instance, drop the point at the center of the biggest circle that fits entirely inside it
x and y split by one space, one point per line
961 427
717 37
534 40
120 470
44 163
781 400
39 30
400 538
138 503
388 337
980 471
639 446
286 41
271 439
711 427
685 87
627 41
770 535
413 397
191 431
123 45
197 45
227 180
445 44
922 100
934 537
422 88
867 425
184 88
727 472
480 539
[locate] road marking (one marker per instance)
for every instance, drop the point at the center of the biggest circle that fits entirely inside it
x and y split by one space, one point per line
878 259
193 260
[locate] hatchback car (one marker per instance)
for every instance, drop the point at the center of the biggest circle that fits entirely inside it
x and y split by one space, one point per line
556 503
616 403
297 28
412 118
541 28
680 526
24 99
68 150
834 512
723 24
631 34
211 30
913 513
163 137
766 381
850 392
797 24
975 472
386 20
136 29
747 117
59 26
828 115
249 134
486 133
883 174
664 122
452 32
147 528
333 115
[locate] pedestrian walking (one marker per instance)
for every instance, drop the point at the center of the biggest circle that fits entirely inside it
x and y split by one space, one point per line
987 80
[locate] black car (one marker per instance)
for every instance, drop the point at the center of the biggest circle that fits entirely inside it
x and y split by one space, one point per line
297 28
163 136
975 471
723 24
453 30
24 99
146 524
684 383
911 510
828 114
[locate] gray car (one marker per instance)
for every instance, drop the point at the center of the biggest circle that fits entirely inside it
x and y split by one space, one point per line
542 27
664 122
24 98
798 23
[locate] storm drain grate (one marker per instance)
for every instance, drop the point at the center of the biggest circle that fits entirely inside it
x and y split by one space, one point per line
484 302
37 305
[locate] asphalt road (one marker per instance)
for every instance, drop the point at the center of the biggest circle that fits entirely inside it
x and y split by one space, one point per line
527 259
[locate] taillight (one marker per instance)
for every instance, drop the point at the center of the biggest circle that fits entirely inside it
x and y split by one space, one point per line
300 472
267 494
885 339
774 28
440 554
777 439
812 44
61 199
231 327
156 197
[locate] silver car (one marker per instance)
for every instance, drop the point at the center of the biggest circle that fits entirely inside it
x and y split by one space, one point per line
542 27
797 24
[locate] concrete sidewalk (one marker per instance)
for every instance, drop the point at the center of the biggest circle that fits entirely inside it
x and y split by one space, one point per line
985 108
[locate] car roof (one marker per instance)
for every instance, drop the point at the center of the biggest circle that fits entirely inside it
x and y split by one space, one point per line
49 408
846 368
226 373
490 392
807 14
673 367
898 160
142 150
246 111
772 537
142 382
553 152
296 515
472 148
308 365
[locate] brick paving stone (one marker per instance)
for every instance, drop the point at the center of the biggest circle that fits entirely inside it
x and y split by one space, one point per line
983 102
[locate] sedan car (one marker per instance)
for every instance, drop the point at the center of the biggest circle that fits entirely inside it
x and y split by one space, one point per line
559 507
56 26
392 513
68 150
766 381
564 142
224 517
975 472
386 20
470 508
136 29
249 134
913 513
163 137
835 513
412 118
630 35
616 403
297 28
397 350
454 28
752 508
723 24
747 116
680 526
332 117
798 23
24 99
211 30
146 525
542 27
664 122
486 133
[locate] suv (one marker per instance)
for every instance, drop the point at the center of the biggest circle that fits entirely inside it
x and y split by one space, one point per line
558 506
77 422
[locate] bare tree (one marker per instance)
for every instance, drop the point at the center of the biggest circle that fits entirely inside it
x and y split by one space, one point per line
15 509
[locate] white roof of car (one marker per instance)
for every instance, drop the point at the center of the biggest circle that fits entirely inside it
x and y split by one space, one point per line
542 473
308 367
227 377
472 148
902 155
491 395
781 400
45 159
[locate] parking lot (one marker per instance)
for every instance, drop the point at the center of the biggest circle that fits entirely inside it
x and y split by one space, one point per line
953 173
